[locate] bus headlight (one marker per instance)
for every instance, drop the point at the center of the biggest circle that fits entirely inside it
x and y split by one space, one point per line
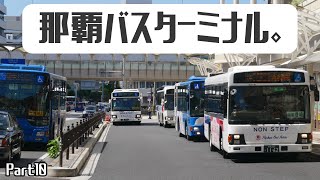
195 129
170 118
138 116
236 139
114 116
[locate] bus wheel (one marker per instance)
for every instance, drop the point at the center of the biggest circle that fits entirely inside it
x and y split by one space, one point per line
178 128
17 156
9 160
187 135
212 147
165 124
223 152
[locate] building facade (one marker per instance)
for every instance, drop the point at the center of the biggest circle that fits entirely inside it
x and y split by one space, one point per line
13 31
3 11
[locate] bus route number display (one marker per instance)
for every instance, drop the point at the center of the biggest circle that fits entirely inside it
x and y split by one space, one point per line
22 77
269 77
126 94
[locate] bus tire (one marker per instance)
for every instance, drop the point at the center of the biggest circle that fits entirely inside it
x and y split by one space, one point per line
186 134
17 156
9 159
165 125
212 147
225 155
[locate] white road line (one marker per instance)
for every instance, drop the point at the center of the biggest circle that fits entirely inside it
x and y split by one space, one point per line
92 163
42 157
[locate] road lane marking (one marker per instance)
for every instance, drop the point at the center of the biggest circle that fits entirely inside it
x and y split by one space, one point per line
94 158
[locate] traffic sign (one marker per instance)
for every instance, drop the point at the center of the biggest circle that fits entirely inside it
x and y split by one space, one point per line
13 61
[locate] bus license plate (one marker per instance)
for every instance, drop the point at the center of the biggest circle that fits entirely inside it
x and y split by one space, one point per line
271 148
40 134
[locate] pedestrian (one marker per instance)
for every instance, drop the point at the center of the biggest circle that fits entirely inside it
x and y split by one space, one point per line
149 112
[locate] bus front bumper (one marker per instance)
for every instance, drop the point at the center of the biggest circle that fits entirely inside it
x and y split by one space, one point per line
196 131
170 121
269 148
37 136
126 120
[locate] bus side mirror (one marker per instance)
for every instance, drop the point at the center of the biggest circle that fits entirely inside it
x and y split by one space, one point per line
314 88
316 94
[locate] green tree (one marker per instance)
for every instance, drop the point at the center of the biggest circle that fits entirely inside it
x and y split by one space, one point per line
70 93
296 3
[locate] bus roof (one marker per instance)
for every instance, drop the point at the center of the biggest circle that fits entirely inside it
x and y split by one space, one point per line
29 68
125 90
190 80
164 88
196 78
250 68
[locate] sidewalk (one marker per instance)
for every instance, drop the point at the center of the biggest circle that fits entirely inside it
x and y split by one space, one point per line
72 166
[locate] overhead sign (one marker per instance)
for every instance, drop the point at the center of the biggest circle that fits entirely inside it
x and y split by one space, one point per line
160 28
13 61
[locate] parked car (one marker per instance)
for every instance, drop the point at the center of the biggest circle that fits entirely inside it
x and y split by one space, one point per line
11 137
90 110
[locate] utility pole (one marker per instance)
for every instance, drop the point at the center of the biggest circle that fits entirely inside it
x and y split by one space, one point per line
102 95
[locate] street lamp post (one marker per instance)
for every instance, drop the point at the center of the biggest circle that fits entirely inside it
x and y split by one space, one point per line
76 85
151 96
102 94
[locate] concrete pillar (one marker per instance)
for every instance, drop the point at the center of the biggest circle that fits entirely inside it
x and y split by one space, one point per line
222 1
235 1
253 1
310 71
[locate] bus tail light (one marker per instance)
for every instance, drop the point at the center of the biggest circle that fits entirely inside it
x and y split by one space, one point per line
304 138
47 133
236 139
4 142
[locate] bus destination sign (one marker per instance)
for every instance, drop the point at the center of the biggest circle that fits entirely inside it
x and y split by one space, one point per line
22 77
126 94
269 77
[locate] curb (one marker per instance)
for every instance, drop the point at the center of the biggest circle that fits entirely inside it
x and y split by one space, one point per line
81 160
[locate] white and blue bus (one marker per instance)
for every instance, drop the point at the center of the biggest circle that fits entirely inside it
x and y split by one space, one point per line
258 109
188 107
125 106
165 106
36 97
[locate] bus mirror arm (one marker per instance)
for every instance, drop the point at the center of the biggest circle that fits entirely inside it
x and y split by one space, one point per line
316 94
314 88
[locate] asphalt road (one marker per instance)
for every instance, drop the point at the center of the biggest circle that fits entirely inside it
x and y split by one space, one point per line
150 152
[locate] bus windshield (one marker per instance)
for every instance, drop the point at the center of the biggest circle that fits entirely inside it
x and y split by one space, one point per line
269 104
126 104
169 104
24 100
196 103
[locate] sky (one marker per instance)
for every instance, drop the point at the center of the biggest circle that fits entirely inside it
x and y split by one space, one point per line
15 7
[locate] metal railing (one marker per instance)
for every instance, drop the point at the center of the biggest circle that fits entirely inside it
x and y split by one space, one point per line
76 135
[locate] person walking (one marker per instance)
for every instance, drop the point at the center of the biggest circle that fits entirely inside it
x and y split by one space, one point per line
149 111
